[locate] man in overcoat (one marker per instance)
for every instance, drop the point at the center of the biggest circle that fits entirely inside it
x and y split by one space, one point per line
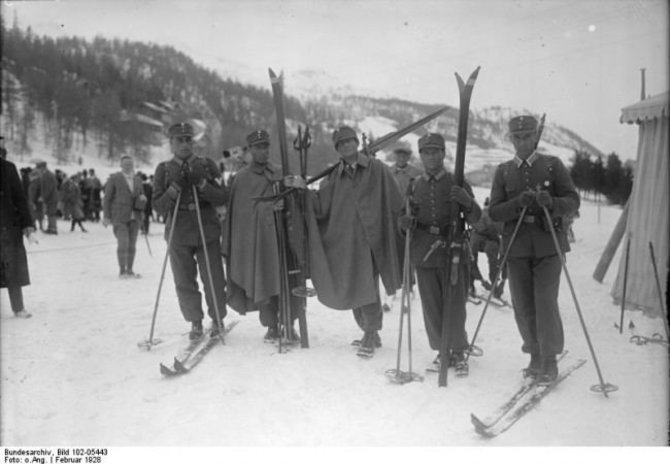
250 241
123 205
174 181
15 222
352 236
534 181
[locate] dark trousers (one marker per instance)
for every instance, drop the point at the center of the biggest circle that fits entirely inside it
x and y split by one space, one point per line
186 261
126 239
16 298
370 316
268 313
439 297
534 286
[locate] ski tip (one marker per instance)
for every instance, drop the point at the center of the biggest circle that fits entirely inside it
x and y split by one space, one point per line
166 371
272 73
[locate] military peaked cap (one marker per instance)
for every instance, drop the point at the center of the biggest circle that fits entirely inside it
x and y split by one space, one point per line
431 140
521 124
257 137
180 128
343 133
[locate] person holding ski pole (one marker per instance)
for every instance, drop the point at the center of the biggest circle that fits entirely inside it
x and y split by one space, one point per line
250 240
431 197
175 180
529 182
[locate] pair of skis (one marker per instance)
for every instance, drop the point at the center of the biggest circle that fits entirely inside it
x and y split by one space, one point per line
499 302
520 402
193 353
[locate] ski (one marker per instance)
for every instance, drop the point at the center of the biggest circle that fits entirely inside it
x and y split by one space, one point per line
457 246
526 386
291 232
194 352
528 403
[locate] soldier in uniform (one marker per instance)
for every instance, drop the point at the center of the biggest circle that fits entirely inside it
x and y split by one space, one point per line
250 239
431 198
534 181
175 179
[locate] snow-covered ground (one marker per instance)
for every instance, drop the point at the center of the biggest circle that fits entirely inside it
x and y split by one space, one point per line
73 374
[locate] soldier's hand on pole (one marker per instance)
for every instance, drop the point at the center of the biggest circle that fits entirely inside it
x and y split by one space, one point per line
461 196
526 198
174 190
543 198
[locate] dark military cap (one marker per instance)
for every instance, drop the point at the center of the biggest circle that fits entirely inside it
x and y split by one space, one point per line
431 140
343 133
522 124
180 128
257 137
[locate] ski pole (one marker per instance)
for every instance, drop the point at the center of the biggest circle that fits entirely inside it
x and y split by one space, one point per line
146 239
603 387
208 266
150 342
396 375
499 272
625 283
664 315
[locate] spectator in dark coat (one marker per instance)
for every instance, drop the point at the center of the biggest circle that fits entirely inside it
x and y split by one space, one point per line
15 221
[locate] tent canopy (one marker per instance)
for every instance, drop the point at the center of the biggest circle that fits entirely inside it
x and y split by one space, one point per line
648 209
644 110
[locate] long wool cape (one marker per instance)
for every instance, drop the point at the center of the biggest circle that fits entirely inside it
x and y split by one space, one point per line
250 241
352 231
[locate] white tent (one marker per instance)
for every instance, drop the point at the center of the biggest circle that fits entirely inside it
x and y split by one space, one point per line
649 207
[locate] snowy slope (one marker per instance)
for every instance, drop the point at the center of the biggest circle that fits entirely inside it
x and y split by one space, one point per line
73 374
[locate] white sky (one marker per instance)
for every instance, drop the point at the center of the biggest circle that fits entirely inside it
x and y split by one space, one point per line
576 60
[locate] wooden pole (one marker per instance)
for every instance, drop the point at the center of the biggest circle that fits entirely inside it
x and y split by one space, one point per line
612 245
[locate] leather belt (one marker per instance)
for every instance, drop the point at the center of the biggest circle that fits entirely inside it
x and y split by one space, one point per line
187 207
432 229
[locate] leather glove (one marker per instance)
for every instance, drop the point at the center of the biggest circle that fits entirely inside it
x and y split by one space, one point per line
196 173
406 222
295 182
459 195
526 198
544 199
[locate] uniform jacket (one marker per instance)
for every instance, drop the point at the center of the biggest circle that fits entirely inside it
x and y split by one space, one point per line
250 239
14 217
186 231
431 206
510 179
119 203
352 230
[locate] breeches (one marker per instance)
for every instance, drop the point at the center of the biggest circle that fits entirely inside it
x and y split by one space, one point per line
534 284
